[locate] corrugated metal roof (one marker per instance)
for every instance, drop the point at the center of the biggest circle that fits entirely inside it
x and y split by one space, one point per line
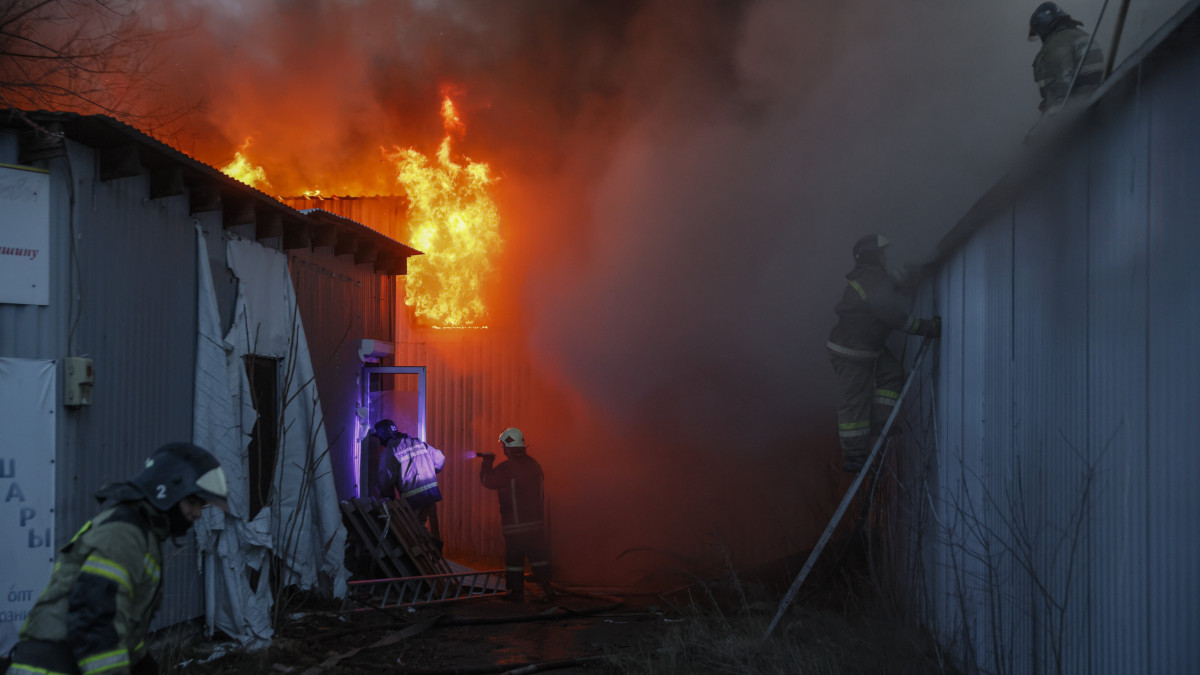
105 133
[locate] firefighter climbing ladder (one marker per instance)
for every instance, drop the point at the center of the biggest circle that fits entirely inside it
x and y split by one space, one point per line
841 509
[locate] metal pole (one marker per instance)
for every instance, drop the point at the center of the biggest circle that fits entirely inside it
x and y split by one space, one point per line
841 509
1116 41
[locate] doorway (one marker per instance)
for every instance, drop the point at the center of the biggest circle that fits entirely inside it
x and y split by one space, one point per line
389 392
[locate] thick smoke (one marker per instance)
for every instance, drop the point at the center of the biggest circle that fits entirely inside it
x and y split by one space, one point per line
681 184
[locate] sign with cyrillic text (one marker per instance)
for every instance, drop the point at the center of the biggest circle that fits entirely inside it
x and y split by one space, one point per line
24 236
26 489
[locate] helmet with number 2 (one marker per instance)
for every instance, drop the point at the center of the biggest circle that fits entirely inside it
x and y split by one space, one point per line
178 470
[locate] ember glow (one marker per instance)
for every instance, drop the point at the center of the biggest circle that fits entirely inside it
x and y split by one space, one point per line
453 220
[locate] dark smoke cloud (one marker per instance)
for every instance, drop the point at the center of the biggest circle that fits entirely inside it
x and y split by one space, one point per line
681 183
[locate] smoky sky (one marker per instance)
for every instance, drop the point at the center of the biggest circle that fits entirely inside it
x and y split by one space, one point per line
680 184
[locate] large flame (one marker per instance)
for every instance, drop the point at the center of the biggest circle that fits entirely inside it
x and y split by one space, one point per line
241 168
453 220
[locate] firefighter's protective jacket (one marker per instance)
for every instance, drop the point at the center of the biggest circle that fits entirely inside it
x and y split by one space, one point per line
103 592
1056 62
870 309
410 468
518 481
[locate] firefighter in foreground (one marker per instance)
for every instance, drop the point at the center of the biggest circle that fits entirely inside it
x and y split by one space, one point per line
1064 47
869 375
519 484
408 470
94 613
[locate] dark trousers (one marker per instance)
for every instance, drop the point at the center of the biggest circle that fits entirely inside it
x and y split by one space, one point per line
36 656
518 547
870 389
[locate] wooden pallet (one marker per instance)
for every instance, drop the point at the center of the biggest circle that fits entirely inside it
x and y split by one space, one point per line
389 531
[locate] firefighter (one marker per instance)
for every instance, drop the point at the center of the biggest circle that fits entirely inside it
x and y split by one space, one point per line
106 586
518 482
408 471
1064 46
869 375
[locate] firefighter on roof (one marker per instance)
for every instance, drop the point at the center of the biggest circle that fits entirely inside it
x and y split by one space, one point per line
1064 47
106 585
869 375
518 482
408 470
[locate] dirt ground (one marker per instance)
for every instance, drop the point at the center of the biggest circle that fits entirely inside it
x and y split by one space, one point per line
575 634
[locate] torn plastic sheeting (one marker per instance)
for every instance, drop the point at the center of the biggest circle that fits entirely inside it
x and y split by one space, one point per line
301 524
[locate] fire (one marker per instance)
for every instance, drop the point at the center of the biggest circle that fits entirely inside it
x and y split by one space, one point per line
241 168
451 217
453 220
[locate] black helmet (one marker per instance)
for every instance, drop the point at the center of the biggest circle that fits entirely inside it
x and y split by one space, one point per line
386 430
869 249
178 470
1045 17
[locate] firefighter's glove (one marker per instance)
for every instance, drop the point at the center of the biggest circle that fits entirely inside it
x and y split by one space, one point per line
147 666
931 327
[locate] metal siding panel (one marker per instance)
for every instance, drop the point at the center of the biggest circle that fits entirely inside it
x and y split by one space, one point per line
1005 623
1051 353
135 318
1173 509
1117 394
340 304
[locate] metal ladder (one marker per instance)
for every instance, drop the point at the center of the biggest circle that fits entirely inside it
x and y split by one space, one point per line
841 509
431 589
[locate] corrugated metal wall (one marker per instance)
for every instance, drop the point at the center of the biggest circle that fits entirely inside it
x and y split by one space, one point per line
341 304
123 293
479 383
1054 529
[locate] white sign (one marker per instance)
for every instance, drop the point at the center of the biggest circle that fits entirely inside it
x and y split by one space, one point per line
24 236
26 489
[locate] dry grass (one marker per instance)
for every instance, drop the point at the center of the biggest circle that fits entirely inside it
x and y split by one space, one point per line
718 627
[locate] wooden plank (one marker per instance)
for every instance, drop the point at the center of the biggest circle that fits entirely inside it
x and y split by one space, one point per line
347 243
166 182
204 198
296 235
324 235
366 253
121 161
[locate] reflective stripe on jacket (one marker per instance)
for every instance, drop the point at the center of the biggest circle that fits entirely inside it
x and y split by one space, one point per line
410 468
870 309
518 481
102 595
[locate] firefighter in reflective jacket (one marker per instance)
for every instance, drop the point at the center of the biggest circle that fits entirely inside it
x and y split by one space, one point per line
518 482
106 585
408 470
869 375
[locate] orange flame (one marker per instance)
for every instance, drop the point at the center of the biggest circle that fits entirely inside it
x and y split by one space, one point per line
453 220
241 168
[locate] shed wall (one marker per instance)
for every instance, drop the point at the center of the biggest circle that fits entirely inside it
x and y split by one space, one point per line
1053 530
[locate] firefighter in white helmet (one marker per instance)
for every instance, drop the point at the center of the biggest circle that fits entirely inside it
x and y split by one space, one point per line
869 375
518 481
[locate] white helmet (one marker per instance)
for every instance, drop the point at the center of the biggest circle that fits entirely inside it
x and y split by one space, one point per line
512 438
